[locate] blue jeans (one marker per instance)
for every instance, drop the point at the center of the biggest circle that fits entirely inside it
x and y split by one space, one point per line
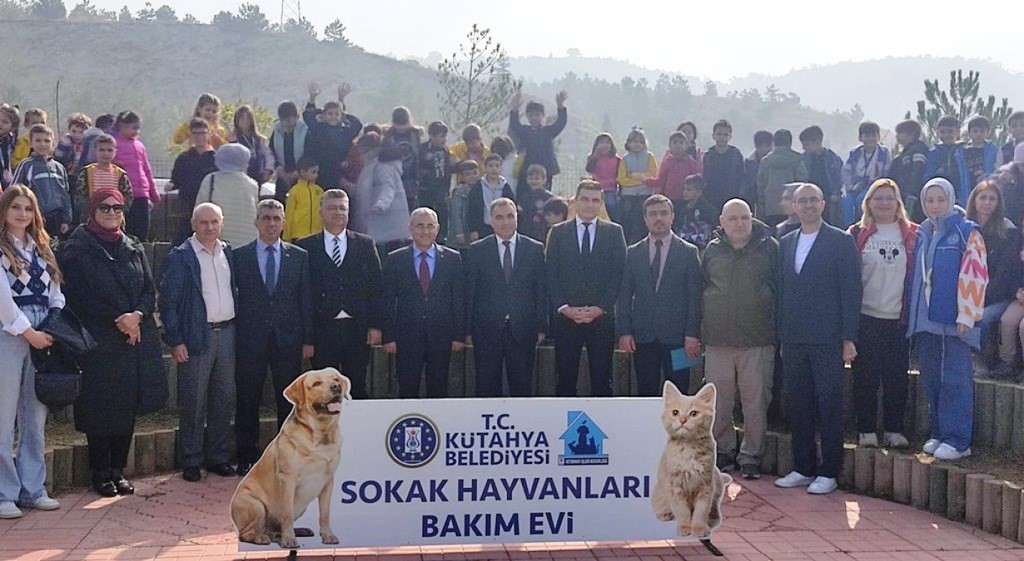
947 377
990 317
22 480
852 207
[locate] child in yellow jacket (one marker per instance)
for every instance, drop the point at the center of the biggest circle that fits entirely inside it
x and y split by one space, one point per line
23 148
635 169
302 207
207 108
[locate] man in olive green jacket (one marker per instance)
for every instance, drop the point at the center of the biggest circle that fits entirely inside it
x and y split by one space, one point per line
741 279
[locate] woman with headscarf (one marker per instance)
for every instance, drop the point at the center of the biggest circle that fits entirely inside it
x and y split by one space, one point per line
231 188
946 302
110 288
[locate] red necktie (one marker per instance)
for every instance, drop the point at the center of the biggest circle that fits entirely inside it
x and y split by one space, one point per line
424 272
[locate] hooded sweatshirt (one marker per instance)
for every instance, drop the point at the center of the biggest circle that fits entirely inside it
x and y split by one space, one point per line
950 273
132 158
781 166
235 192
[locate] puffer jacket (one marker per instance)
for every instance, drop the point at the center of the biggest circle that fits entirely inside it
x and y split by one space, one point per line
951 256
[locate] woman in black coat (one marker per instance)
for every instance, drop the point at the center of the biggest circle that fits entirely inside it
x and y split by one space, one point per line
986 206
110 287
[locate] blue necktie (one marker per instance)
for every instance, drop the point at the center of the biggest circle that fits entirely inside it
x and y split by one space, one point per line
271 273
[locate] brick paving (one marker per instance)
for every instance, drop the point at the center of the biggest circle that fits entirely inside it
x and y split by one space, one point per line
169 518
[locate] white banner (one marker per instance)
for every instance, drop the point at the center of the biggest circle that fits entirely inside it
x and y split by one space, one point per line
472 471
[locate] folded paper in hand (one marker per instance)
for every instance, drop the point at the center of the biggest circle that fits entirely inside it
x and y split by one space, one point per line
680 360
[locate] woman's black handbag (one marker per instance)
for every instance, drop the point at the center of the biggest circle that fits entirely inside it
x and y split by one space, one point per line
58 377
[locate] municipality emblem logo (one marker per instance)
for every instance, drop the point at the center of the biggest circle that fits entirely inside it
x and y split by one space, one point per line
584 442
412 441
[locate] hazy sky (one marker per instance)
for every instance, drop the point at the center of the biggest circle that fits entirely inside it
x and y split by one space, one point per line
708 38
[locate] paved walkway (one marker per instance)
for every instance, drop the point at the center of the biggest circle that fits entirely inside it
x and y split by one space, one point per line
171 519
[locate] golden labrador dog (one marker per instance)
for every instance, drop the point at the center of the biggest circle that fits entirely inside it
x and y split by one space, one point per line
298 465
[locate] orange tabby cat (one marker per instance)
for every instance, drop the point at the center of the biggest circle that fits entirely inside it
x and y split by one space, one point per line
689 487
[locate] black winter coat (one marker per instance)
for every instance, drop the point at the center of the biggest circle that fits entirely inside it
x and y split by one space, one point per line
1004 264
118 380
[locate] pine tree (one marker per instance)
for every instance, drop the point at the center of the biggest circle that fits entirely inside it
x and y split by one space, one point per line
963 102
476 84
335 33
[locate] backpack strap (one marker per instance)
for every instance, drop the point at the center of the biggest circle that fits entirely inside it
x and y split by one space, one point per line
213 177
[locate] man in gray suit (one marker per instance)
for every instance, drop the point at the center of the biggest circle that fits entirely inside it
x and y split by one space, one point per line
659 302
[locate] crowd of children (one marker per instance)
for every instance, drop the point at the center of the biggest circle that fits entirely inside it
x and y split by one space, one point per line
399 165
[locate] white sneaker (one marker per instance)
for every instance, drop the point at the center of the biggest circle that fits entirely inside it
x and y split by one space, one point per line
822 486
947 452
44 502
9 510
930 446
896 440
867 440
794 479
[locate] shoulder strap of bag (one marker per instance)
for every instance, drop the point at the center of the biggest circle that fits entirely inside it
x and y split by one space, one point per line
213 177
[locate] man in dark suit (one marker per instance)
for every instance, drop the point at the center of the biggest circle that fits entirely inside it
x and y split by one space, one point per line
275 323
345 278
585 258
820 311
506 303
424 308
659 304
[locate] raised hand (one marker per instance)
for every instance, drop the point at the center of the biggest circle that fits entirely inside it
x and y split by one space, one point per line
560 98
343 90
517 100
314 90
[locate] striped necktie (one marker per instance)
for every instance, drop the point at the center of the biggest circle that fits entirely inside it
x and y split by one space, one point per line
336 252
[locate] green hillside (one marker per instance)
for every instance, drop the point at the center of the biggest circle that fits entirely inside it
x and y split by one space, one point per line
158 69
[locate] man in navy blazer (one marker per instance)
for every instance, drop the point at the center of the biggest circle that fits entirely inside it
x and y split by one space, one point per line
659 304
345 276
585 258
506 303
275 320
424 308
820 312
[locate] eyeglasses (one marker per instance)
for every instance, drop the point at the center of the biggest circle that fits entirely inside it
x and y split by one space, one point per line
808 200
110 209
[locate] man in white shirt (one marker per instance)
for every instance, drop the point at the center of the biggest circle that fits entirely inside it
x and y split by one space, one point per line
197 308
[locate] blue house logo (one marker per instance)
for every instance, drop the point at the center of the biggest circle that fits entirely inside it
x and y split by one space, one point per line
584 442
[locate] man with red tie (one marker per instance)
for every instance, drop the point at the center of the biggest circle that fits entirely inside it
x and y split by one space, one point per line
424 310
